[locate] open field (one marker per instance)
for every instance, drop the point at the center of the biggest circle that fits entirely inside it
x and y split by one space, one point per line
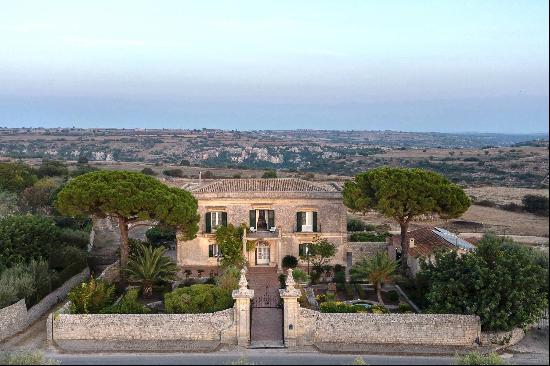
467 159
479 219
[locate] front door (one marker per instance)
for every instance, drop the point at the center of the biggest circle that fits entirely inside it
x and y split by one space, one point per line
262 255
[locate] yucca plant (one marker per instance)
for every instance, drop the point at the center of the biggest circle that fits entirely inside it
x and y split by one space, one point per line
150 266
376 270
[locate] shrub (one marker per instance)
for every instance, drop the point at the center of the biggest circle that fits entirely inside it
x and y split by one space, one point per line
340 277
501 282
173 173
16 283
282 281
340 307
379 309
290 261
339 268
405 308
15 177
41 279
229 279
129 304
369 237
476 358
269 174
348 289
486 203
514 207
536 204
75 238
197 299
393 296
208 175
25 358
300 275
90 297
52 168
160 235
26 237
148 171
354 224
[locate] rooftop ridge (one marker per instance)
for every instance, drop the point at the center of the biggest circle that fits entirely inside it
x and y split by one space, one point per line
263 185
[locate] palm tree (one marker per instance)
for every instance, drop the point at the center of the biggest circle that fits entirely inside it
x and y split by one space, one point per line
376 270
150 266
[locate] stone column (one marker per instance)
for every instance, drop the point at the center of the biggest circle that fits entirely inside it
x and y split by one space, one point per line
241 308
290 296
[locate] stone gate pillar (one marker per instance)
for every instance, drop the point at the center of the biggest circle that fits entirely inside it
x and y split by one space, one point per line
290 296
241 308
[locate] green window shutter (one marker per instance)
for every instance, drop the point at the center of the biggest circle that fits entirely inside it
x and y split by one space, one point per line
270 218
208 222
224 218
314 222
298 221
301 251
210 250
252 218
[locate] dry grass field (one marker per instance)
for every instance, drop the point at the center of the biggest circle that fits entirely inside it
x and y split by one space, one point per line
503 195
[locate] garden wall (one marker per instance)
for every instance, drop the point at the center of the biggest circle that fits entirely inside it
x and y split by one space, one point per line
353 331
368 249
15 318
138 332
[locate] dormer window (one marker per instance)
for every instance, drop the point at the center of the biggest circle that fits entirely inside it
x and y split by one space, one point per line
215 219
306 221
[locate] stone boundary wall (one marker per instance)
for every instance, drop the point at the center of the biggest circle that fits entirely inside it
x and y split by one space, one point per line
368 249
347 331
142 332
15 318
111 273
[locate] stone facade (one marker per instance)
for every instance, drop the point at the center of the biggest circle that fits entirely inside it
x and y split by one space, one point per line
15 318
326 201
340 330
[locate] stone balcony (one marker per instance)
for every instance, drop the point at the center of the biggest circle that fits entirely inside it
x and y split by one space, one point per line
263 234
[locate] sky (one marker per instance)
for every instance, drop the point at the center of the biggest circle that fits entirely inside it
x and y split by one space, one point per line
441 65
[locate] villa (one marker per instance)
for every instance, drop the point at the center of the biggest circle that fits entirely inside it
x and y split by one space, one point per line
281 215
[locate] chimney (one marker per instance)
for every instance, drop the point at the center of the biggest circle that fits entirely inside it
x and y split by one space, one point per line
200 177
411 243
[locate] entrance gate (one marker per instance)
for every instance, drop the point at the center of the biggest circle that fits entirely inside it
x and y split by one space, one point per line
266 325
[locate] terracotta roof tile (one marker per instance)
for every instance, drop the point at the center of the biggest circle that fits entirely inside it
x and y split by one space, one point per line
263 185
426 242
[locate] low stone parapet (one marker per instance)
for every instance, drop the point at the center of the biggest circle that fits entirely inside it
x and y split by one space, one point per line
16 318
351 331
142 332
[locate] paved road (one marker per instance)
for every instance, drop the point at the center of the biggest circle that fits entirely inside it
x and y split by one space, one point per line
256 357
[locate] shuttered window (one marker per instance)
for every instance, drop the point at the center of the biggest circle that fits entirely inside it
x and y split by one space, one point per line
306 221
213 250
214 219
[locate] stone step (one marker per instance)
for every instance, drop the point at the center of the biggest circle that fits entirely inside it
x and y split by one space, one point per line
262 344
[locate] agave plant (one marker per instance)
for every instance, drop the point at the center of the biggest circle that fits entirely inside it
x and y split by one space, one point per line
150 266
376 270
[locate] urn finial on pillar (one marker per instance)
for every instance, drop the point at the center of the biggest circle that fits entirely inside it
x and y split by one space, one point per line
290 283
243 283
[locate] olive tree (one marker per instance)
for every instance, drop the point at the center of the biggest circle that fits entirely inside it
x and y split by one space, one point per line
403 194
129 198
